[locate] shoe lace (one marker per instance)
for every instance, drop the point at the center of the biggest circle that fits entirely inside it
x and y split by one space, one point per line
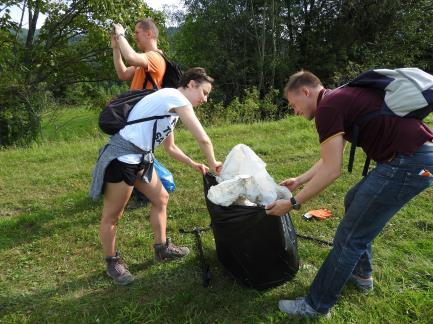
172 249
120 266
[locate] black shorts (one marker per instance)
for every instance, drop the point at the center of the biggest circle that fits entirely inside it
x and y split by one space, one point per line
118 171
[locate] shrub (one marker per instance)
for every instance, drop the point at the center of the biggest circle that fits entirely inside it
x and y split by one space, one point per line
249 109
20 109
92 95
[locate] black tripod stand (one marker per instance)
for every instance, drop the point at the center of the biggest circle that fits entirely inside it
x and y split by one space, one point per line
207 274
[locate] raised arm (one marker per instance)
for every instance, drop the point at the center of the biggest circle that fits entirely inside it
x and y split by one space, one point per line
128 53
123 73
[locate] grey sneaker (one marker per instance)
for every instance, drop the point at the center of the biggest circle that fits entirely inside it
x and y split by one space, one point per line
299 307
169 251
118 270
363 284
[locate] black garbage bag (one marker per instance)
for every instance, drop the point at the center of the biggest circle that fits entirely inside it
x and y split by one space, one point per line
258 250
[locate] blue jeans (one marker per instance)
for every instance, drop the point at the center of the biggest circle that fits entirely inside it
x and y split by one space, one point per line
369 205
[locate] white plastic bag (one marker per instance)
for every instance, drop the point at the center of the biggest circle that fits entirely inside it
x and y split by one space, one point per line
244 176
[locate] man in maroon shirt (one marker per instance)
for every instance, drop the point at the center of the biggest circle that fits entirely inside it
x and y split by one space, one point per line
403 150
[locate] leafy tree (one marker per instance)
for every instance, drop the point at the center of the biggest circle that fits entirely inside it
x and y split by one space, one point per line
258 43
72 46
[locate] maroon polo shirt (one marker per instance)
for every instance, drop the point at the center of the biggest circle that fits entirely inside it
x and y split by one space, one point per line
381 137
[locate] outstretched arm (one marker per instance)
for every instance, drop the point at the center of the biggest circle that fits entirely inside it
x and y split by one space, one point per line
323 173
175 152
190 120
293 183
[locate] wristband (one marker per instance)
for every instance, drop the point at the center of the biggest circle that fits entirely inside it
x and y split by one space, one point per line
295 204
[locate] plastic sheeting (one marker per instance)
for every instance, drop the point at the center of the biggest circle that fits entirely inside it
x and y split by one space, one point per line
244 179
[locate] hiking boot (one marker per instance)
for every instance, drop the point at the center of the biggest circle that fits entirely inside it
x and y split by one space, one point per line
118 270
169 251
363 284
299 307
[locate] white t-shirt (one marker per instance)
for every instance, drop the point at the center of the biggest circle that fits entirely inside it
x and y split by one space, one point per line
155 104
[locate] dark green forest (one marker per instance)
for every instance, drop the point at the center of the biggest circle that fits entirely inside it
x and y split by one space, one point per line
249 47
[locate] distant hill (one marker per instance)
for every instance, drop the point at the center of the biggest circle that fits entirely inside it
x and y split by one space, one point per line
22 36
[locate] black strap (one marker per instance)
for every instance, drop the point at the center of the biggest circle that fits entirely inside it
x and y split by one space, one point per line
366 166
309 238
355 134
148 79
355 139
154 135
146 119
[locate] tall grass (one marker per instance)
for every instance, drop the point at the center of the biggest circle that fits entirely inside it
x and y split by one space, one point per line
52 267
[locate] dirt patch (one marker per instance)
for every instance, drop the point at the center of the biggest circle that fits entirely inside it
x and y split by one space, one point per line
6 212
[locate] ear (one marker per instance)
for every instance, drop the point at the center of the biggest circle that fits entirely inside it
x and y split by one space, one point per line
306 91
191 84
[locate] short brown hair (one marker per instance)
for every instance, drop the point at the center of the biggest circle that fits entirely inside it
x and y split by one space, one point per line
301 79
148 24
198 74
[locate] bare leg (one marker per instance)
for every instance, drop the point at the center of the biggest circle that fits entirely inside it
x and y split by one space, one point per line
116 196
158 197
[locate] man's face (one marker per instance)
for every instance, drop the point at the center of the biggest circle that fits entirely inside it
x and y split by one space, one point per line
141 37
303 102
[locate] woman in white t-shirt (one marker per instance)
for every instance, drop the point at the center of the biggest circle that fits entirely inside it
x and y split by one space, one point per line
125 172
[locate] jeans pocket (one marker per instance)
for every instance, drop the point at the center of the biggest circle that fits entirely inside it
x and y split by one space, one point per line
413 184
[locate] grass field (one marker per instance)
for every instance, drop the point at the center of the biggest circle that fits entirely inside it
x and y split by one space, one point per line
52 267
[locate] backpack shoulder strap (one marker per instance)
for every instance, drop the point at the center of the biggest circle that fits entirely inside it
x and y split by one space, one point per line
148 79
136 121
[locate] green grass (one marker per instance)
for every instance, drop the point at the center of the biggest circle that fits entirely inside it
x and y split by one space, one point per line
52 268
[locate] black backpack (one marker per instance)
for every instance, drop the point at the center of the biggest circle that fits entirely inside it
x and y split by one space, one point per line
171 77
115 115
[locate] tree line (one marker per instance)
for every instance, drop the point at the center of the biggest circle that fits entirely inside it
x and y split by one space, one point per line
249 46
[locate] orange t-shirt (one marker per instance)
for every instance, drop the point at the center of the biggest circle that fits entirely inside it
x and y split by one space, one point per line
156 68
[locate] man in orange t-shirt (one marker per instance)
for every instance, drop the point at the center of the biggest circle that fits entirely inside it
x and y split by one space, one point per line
146 69
147 66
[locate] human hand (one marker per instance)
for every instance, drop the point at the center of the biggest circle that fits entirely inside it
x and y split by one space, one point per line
203 169
278 207
217 166
118 29
114 43
291 183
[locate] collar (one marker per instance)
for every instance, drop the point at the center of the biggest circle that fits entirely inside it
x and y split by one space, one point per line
323 93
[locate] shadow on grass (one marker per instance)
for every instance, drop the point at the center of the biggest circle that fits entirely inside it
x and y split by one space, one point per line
161 293
44 222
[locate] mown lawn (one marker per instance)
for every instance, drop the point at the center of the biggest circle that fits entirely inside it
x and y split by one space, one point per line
51 260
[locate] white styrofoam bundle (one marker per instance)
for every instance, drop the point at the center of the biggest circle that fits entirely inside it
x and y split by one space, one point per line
244 177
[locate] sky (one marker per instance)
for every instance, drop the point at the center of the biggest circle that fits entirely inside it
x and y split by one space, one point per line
154 4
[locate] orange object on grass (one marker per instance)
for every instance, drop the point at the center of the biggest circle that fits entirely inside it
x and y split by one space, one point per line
318 213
